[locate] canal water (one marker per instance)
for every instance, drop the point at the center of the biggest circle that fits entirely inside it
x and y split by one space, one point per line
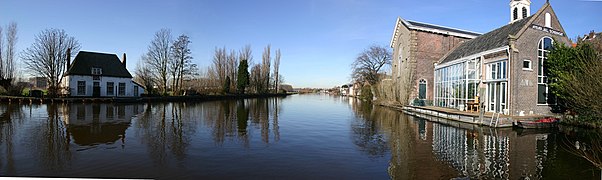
297 137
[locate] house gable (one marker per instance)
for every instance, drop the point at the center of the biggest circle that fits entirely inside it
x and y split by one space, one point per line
538 22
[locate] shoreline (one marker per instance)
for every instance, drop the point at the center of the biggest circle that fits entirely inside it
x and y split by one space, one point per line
196 98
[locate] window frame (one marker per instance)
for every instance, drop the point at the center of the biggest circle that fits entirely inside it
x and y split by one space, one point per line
96 71
530 68
110 88
542 56
81 87
121 89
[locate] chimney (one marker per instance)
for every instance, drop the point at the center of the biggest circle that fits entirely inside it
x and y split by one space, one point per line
123 62
68 58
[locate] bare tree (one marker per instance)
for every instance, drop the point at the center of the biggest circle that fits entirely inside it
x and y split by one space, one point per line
370 63
2 54
9 60
256 81
143 75
276 69
181 63
47 56
265 69
158 57
219 70
232 66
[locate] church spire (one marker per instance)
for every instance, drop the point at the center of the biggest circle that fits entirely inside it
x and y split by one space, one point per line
519 9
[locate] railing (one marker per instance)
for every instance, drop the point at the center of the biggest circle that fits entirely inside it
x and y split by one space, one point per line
422 102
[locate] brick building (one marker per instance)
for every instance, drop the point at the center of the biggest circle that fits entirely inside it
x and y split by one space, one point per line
417 47
503 67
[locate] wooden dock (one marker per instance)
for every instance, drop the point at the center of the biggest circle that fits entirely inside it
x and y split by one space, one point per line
439 114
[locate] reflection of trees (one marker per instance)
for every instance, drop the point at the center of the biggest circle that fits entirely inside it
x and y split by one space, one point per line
8 114
365 130
167 130
585 144
50 140
232 119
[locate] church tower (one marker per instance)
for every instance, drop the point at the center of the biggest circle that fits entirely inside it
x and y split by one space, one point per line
519 9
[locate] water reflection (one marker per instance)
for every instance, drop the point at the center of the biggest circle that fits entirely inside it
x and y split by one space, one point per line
10 118
92 124
430 148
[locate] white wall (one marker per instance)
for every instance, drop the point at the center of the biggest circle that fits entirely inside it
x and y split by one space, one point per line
129 86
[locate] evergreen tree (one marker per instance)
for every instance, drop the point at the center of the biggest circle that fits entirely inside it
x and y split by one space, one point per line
227 85
243 76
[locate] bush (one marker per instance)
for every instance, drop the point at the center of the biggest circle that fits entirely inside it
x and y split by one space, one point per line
366 93
574 78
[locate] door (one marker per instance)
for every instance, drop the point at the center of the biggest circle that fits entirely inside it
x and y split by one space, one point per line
96 89
497 96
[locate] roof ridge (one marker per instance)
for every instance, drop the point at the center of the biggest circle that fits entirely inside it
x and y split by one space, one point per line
458 29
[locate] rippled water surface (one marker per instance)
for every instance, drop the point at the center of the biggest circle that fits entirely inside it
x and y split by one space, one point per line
297 137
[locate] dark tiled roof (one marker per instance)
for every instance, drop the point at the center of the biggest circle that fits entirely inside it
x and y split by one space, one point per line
491 40
419 24
110 64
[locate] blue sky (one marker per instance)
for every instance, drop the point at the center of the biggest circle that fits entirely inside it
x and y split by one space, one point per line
319 39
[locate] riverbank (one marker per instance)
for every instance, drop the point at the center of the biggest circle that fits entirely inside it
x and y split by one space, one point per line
197 98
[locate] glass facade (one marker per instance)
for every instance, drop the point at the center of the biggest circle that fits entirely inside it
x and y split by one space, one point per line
457 84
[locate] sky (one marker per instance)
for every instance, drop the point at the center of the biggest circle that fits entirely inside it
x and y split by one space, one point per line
319 39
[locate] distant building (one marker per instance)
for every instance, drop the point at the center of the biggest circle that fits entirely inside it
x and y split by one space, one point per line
38 82
95 74
286 87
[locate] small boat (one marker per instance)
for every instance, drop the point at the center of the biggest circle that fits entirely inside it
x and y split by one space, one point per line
549 122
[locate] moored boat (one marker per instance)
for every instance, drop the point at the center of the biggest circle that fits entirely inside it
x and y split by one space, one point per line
549 122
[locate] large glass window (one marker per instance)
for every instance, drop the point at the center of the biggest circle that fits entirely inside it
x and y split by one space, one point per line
457 84
497 70
544 46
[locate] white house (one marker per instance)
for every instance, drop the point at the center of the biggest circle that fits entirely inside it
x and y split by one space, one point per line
95 74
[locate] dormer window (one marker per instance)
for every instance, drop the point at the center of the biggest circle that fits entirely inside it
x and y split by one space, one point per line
96 71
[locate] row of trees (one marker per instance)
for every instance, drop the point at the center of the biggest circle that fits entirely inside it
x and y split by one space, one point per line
167 65
230 71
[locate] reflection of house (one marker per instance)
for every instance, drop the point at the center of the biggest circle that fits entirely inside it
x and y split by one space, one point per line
90 124
100 75
506 63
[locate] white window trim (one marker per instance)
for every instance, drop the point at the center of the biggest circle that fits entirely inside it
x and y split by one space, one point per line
548 20
530 65
543 58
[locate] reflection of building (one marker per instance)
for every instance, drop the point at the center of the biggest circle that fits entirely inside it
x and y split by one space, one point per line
90 124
